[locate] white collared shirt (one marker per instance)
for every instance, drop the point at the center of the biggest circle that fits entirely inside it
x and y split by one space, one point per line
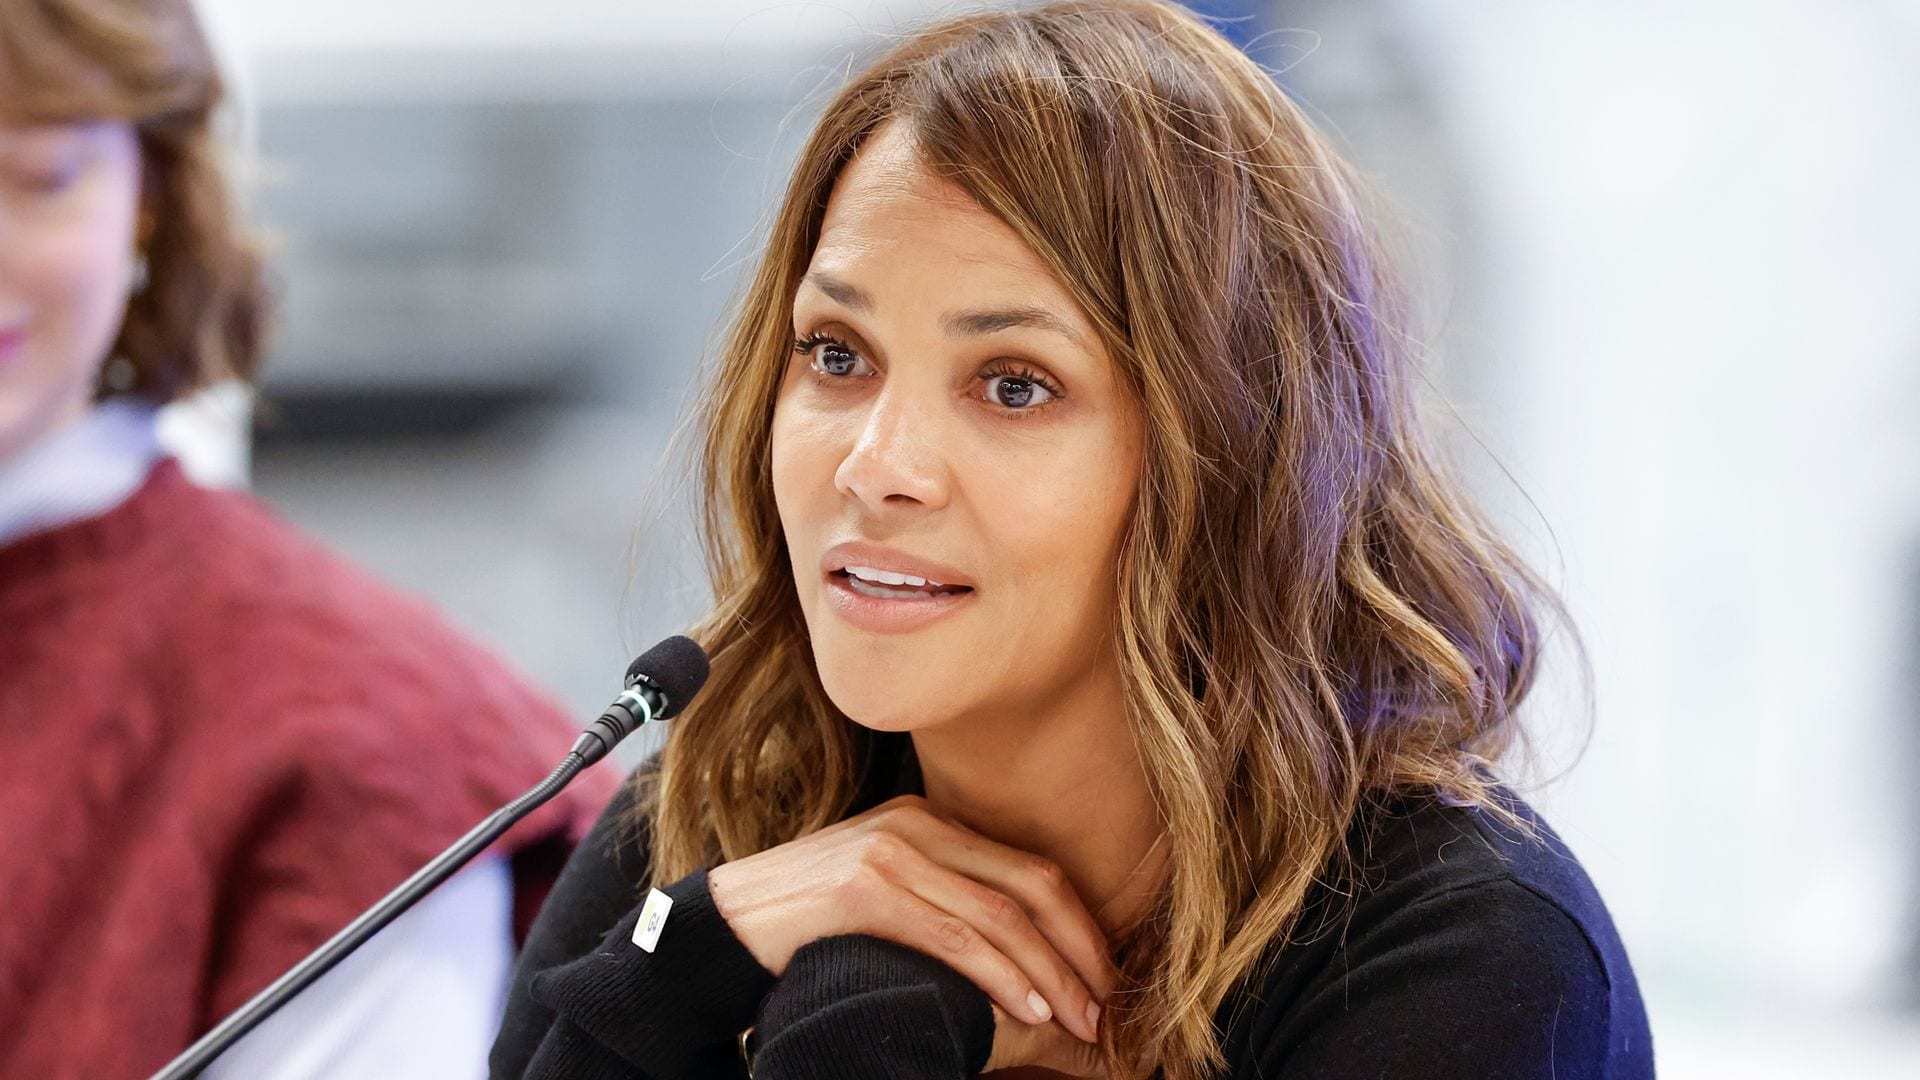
80 471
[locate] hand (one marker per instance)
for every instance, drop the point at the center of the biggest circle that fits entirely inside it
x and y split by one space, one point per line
1048 1046
1006 919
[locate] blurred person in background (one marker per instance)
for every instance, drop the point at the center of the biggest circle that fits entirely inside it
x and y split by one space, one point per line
218 742
1107 674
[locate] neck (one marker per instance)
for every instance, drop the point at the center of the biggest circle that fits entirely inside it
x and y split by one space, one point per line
1064 782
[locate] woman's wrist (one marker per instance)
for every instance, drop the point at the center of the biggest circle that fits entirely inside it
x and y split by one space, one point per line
656 993
856 997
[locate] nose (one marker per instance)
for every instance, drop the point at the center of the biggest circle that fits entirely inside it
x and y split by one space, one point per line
897 463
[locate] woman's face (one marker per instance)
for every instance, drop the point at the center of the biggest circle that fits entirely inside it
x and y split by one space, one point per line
950 413
69 205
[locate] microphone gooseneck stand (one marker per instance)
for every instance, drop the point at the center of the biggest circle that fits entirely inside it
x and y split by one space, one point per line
659 684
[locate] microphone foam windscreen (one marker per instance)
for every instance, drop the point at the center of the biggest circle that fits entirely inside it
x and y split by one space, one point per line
678 666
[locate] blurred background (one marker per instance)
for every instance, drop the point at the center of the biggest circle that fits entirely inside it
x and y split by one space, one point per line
1671 254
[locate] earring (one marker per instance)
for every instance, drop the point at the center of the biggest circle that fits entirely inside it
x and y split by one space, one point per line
141 273
118 376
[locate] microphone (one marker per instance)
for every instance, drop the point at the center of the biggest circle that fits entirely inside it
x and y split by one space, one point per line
659 684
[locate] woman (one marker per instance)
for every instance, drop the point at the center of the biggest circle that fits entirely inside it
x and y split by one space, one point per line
1105 674
218 743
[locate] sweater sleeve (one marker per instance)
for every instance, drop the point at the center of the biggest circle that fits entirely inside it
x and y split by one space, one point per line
657 1010
587 1002
596 887
856 1007
1489 980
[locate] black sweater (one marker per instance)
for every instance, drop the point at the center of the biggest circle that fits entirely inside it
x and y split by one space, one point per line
1464 951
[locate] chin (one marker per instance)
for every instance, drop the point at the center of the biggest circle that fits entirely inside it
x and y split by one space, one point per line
881 711
890 724
873 700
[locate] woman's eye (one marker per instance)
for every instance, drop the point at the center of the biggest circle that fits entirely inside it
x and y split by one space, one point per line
830 356
837 360
1018 389
43 180
51 183
46 170
1017 392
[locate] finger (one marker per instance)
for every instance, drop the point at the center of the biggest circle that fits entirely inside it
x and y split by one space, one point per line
1006 925
1038 884
901 915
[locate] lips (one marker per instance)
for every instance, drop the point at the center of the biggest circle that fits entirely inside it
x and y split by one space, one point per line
902 590
884 610
879 557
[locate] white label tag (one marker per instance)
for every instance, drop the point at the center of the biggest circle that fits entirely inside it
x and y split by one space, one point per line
653 915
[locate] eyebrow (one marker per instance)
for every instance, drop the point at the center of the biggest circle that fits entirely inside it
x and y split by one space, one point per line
967 323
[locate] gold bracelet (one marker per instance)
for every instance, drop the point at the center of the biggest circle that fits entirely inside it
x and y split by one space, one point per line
748 1053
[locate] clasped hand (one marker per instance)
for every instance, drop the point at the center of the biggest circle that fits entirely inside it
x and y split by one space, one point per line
1006 919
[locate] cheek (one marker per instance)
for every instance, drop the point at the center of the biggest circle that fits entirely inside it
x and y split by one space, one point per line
71 276
785 463
1061 518
69 285
805 452
803 460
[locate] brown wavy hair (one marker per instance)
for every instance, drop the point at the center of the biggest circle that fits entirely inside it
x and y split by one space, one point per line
1312 614
201 316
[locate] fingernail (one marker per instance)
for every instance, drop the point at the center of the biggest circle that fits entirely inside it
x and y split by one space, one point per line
1039 1006
1093 1018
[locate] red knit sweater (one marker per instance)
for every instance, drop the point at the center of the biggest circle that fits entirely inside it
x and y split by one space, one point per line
219 743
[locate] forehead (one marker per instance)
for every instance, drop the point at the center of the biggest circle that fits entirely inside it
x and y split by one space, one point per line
886 202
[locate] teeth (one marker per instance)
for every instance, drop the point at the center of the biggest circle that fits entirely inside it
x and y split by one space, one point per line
883 592
888 577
